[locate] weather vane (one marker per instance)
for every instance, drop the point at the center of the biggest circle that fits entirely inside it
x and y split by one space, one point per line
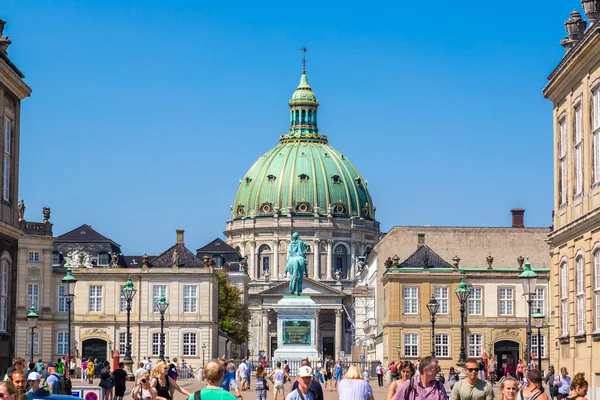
304 49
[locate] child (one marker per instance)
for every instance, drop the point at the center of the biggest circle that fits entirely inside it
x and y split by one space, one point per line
366 374
261 386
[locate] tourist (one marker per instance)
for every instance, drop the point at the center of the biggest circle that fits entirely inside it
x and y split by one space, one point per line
138 372
242 373
34 379
164 385
120 380
563 382
248 373
366 374
106 381
379 370
472 388
509 388
407 371
8 390
260 383
520 368
452 377
329 366
423 386
338 373
533 388
354 386
40 366
393 368
549 379
17 364
286 368
173 374
60 366
30 369
228 383
149 365
314 386
492 371
53 379
278 377
304 385
143 390
579 388
20 381
90 370
214 371
83 370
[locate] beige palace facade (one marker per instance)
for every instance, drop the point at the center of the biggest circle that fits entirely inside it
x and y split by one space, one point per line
574 89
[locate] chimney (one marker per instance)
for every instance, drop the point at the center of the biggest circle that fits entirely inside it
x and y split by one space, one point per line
179 236
518 217
421 240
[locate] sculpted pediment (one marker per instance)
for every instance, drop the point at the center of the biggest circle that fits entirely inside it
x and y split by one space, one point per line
310 287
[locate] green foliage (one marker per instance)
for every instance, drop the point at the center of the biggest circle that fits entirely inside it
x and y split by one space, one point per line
233 314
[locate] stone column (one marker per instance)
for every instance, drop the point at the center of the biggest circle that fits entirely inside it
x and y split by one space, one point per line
317 337
265 334
275 272
317 260
252 263
338 333
352 261
329 259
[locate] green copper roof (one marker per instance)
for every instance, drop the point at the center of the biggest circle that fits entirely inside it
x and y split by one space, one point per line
303 174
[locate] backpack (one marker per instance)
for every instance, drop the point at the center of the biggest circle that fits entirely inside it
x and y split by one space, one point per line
64 385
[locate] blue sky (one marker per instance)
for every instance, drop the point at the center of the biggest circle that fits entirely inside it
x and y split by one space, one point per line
145 114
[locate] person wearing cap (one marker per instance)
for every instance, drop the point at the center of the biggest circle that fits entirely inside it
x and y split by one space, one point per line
33 379
53 378
304 380
315 387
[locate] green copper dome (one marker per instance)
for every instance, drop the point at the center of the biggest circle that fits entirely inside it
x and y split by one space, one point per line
303 175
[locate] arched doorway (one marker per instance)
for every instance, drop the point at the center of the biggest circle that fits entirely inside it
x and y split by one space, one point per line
96 348
506 352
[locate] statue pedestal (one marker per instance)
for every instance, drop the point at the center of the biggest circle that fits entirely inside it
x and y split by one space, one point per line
296 329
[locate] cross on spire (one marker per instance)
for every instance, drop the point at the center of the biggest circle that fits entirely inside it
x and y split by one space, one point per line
304 49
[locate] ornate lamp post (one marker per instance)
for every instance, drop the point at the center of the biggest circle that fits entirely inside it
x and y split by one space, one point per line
399 349
462 292
203 351
539 324
529 280
162 305
32 319
69 282
128 291
433 306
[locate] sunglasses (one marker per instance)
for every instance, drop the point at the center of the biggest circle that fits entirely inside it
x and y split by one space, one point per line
472 369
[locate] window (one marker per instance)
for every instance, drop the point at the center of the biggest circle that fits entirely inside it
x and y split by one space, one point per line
411 300
56 260
95 298
441 295
123 342
189 344
4 276
62 299
580 286
564 302
33 295
336 179
442 345
103 259
597 287
62 343
157 291
578 152
411 345
36 342
562 163
156 343
534 345
506 301
34 256
8 127
303 178
475 345
596 134
190 299
474 303
538 300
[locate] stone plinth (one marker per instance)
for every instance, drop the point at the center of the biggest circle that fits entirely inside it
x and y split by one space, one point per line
296 328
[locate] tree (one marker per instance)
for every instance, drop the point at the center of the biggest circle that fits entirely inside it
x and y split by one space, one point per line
233 313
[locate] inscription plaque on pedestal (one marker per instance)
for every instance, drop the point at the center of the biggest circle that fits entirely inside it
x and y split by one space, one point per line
296 332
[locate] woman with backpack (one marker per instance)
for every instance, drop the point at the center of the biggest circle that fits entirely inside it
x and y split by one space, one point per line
106 381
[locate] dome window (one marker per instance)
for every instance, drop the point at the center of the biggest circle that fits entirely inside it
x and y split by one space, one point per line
339 208
248 180
266 208
303 207
271 178
303 178
336 179
240 211
366 210
358 181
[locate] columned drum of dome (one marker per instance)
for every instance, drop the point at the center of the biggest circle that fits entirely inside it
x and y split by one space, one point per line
303 185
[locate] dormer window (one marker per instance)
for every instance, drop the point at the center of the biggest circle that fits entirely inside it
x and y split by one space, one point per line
266 208
240 210
336 179
339 208
271 178
56 261
303 178
103 259
248 180
303 207
358 181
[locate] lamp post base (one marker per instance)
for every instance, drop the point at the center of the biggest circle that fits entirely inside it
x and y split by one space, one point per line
128 363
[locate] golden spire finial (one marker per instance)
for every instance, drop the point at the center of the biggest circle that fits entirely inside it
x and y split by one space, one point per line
304 49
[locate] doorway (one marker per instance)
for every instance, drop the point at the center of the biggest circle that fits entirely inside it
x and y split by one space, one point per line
328 348
95 348
506 353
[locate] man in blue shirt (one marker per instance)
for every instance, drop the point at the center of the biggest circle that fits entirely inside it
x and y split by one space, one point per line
52 380
563 381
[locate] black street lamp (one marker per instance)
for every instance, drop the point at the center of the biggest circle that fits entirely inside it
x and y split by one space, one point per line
32 319
529 278
69 282
162 304
539 324
433 306
399 348
203 350
128 291
462 292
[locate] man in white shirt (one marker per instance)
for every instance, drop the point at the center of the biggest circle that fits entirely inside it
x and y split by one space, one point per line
242 372
141 369
278 377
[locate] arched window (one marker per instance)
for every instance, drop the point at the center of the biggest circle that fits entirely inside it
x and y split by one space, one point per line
340 260
309 116
303 116
4 279
297 120
264 259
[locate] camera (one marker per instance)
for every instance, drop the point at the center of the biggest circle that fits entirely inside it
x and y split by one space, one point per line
143 381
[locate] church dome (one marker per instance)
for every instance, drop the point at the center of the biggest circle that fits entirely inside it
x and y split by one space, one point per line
303 175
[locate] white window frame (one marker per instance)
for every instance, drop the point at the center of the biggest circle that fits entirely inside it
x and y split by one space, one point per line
95 298
580 291
562 162
442 345
441 294
62 343
534 346
597 289
578 151
411 300
564 302
539 300
190 298
56 257
411 344
156 343
189 344
596 133
61 305
157 291
123 342
474 345
475 301
36 342
104 264
506 302
33 256
8 132
33 296
4 279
